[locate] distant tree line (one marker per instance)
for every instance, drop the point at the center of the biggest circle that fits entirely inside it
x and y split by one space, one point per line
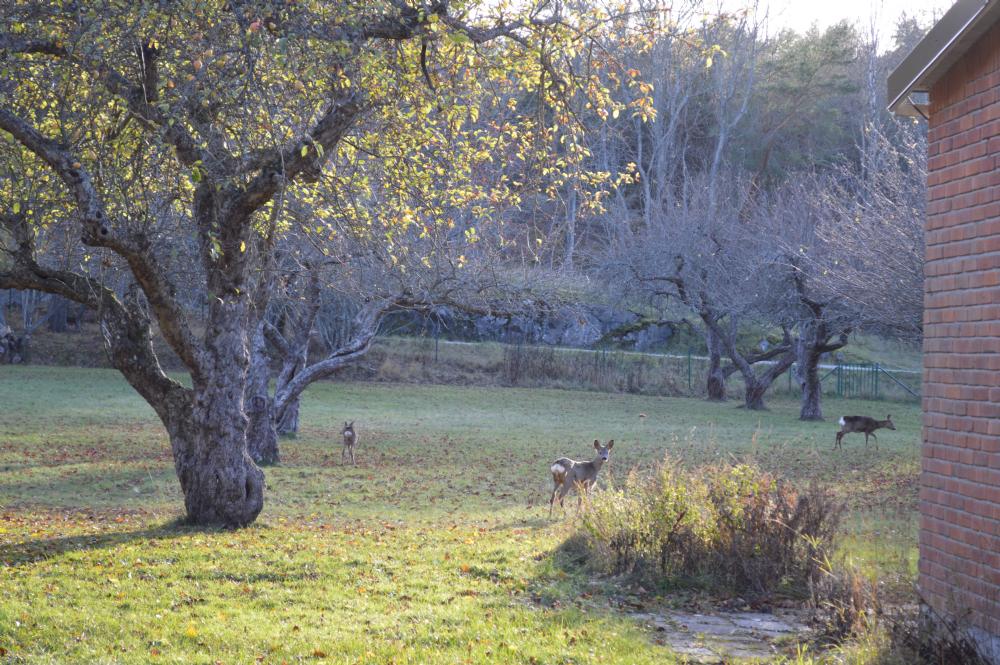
772 193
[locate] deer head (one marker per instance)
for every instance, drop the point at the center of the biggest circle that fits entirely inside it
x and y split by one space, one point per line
604 451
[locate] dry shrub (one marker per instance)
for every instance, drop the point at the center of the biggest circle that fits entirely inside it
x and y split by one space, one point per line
846 601
926 637
730 527
606 371
848 605
529 365
913 635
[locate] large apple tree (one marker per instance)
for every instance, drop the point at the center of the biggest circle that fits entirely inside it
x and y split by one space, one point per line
171 136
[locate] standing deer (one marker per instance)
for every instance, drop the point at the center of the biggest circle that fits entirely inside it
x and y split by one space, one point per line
849 424
567 474
350 438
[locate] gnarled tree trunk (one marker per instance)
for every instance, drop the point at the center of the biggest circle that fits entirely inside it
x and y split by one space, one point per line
287 421
758 384
220 481
816 337
288 425
807 374
262 439
814 342
716 384
207 423
753 395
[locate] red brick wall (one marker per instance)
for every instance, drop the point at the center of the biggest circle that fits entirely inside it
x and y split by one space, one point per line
960 480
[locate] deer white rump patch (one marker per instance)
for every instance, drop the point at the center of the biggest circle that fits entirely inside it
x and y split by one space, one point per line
558 469
842 421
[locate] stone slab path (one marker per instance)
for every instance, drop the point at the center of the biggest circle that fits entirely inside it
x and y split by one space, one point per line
724 636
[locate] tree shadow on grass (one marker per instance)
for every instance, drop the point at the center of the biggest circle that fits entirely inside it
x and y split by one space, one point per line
532 523
91 488
27 552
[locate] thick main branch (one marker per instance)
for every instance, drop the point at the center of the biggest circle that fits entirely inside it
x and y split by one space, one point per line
96 231
125 326
136 96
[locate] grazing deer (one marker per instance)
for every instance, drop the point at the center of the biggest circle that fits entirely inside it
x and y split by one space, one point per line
864 424
567 474
350 438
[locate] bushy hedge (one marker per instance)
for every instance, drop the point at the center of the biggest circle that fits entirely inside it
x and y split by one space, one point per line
728 527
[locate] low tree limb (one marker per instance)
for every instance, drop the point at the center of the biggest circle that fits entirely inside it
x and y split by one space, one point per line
126 328
96 231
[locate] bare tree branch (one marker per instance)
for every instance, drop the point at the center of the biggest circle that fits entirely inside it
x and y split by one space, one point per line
366 326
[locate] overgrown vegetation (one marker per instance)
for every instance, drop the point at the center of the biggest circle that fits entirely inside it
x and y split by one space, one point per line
724 527
736 530
606 371
846 599
924 636
912 634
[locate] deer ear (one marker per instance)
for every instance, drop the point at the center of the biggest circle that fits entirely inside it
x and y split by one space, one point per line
597 444
611 444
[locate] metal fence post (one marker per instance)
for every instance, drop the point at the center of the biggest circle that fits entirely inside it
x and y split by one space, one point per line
689 370
437 333
876 380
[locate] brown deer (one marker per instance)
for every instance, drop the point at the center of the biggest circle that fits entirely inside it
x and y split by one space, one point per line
567 474
350 438
849 424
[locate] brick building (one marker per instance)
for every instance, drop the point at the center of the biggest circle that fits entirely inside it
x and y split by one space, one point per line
952 78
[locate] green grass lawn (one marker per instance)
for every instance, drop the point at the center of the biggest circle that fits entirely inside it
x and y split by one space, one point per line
435 548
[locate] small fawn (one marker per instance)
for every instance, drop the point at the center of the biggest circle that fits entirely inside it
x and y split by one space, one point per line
350 438
567 474
849 424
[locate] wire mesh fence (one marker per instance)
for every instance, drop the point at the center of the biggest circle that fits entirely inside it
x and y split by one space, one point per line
614 370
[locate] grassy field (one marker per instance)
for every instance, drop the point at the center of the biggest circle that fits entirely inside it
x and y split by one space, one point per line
435 548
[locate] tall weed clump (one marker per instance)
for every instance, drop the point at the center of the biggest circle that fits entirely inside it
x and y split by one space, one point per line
727 528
